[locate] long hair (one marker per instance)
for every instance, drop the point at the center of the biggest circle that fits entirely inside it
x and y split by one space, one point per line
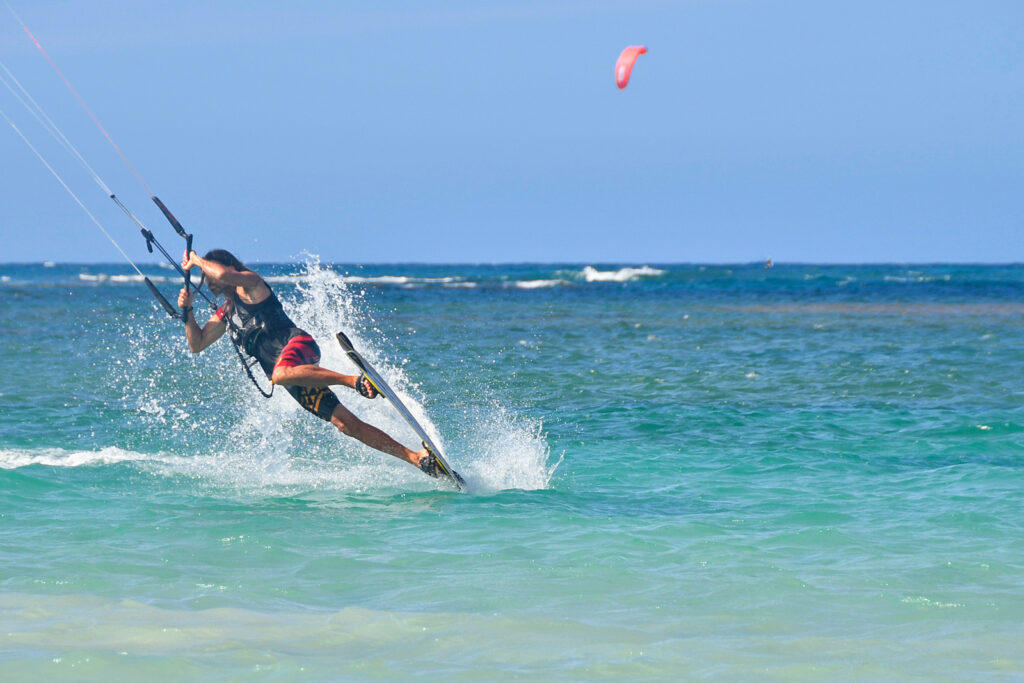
225 258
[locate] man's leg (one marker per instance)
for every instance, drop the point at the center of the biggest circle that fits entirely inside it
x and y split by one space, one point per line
310 376
350 425
297 371
322 402
297 366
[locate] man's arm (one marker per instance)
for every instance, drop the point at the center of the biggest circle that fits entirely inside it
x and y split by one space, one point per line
245 279
199 339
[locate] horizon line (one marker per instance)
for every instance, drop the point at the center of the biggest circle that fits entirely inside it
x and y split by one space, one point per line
625 264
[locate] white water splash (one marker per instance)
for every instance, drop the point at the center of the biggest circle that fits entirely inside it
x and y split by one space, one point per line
274 443
509 452
209 424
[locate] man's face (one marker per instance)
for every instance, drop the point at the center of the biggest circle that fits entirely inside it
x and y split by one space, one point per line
217 287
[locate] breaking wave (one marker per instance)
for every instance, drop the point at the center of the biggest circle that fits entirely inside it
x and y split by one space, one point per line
591 274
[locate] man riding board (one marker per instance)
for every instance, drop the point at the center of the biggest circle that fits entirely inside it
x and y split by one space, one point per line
288 355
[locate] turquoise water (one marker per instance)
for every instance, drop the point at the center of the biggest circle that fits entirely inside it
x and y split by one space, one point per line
722 472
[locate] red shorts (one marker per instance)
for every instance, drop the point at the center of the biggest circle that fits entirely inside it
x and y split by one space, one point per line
300 350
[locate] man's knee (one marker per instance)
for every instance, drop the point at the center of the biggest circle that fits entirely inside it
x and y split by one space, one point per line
281 375
346 427
347 423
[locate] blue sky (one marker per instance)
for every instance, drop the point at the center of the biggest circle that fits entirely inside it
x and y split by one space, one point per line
494 132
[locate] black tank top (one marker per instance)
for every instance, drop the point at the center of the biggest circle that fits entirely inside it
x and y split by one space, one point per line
262 329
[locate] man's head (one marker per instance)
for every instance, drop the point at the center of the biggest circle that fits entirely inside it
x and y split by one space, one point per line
225 258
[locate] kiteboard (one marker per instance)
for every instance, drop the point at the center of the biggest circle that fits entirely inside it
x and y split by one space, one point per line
387 392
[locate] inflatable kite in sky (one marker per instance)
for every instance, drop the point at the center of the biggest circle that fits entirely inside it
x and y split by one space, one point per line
624 67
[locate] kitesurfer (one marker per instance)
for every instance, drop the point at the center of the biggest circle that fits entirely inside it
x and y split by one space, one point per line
288 355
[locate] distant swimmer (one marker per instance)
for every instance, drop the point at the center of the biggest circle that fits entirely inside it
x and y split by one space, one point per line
288 355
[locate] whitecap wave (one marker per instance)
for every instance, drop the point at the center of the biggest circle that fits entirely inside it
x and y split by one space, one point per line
389 280
402 280
591 274
914 276
539 284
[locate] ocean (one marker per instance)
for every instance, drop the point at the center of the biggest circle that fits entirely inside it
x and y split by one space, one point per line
725 472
